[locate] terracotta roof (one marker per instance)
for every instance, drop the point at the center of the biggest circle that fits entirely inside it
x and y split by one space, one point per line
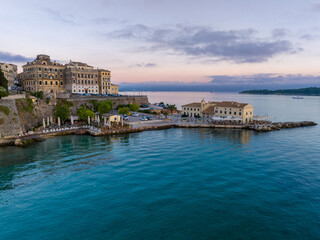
229 104
209 110
195 104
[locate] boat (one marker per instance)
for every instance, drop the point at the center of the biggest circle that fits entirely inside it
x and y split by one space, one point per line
297 97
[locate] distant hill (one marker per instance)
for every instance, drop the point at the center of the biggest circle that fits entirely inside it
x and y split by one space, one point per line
312 91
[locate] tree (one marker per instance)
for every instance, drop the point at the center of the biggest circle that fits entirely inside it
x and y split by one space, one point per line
3 92
3 81
84 113
172 107
105 107
61 111
134 107
123 110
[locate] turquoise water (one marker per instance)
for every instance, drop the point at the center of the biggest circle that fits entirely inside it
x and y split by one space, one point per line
169 184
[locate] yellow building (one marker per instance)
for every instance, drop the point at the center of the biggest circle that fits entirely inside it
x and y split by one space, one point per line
10 73
114 89
104 81
227 110
42 74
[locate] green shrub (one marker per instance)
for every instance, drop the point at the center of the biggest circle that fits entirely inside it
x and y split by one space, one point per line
123 110
37 94
29 105
61 111
134 107
5 110
104 107
84 113
47 100
3 92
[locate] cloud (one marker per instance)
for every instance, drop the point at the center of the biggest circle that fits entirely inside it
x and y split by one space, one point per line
104 20
58 16
316 7
144 65
280 33
9 57
269 79
240 46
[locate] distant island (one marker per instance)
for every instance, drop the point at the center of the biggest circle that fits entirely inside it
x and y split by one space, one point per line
312 91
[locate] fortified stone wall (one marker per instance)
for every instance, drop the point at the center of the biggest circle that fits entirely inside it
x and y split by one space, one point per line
21 115
9 118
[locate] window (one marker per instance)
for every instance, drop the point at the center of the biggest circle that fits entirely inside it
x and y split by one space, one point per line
39 69
61 83
51 83
240 113
45 69
57 83
235 113
56 76
74 81
46 82
230 112
220 111
225 112
40 75
40 82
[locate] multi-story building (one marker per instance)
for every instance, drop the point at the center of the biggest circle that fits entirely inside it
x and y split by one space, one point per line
114 89
42 74
223 110
104 81
10 73
81 78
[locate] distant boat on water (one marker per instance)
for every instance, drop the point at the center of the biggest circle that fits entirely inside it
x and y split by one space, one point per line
297 97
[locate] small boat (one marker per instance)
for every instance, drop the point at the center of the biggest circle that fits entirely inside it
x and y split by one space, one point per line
297 97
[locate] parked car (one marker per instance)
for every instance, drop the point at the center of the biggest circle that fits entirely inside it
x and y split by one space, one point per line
125 118
144 118
135 114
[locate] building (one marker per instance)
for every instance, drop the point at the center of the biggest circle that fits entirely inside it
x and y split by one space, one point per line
81 78
228 110
114 89
192 109
104 81
42 74
10 73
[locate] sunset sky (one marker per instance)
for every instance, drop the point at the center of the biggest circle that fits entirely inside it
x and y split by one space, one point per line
227 43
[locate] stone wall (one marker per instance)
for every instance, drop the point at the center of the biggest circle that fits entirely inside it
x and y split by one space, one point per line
9 118
23 117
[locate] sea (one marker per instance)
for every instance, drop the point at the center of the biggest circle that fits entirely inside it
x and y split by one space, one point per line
170 184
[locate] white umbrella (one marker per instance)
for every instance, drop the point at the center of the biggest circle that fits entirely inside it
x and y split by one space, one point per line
72 122
98 119
89 120
44 123
59 123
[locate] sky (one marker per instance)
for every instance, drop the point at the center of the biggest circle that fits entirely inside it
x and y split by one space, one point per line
224 44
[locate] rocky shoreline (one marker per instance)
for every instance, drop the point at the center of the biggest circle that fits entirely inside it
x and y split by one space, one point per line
27 140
